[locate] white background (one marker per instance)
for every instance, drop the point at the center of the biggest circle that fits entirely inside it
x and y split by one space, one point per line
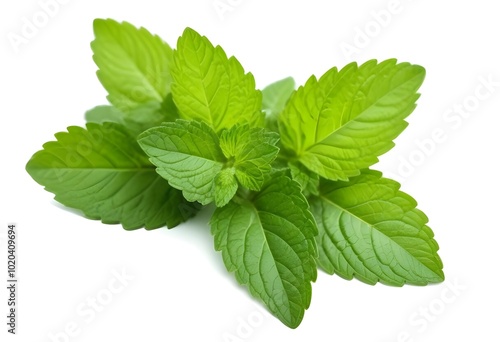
180 290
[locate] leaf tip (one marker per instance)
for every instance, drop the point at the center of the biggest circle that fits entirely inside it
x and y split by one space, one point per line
100 24
190 32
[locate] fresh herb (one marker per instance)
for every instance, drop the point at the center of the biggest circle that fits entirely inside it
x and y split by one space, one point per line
287 169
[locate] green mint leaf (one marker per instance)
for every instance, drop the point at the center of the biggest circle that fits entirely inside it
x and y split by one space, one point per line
370 230
139 119
102 171
212 88
104 113
269 243
187 154
225 186
276 95
274 99
341 123
133 64
308 180
191 157
251 150
169 109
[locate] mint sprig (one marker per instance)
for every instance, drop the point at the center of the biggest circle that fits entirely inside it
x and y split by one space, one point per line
286 169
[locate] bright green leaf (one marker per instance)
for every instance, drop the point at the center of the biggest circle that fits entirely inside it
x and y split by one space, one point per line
190 156
308 180
252 150
212 88
341 123
225 186
133 64
187 154
269 243
104 113
139 119
370 230
274 99
102 171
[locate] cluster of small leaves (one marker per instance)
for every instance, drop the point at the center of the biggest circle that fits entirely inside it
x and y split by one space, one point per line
287 169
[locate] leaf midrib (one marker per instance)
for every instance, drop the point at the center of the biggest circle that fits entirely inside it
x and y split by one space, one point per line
326 199
356 117
134 64
202 75
256 212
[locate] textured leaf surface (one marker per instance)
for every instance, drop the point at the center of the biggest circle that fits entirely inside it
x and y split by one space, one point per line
133 64
187 154
309 181
102 171
370 230
253 150
269 244
225 186
341 123
212 88
192 158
